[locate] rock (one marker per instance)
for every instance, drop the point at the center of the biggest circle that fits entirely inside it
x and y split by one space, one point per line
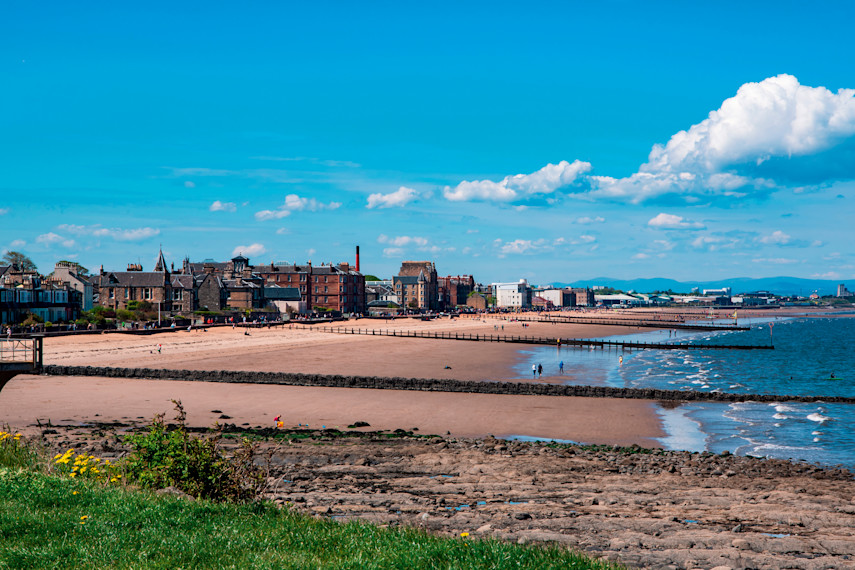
722 568
741 544
485 528
738 528
522 516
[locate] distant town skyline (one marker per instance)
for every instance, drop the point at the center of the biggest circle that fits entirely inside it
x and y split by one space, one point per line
556 142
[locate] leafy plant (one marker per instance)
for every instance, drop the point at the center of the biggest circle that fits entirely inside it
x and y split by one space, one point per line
165 456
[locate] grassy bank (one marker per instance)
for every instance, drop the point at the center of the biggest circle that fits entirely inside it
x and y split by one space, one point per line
51 521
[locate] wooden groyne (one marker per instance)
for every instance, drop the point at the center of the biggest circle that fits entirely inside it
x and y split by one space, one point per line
638 323
550 341
427 384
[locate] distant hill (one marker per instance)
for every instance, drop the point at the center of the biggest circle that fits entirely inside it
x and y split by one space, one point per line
776 285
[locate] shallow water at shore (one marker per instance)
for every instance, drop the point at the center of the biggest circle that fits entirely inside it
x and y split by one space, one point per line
807 352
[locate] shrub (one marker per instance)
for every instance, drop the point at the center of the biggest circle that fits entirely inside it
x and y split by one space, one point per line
165 456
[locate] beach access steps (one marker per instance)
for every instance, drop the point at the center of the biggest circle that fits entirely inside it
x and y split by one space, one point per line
591 343
20 356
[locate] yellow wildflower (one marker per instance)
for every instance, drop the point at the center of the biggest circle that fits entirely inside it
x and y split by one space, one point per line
464 534
72 474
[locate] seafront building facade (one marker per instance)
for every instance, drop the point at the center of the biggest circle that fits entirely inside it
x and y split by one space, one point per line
513 295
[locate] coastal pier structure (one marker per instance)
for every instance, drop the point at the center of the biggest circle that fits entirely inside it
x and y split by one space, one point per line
696 325
553 341
20 356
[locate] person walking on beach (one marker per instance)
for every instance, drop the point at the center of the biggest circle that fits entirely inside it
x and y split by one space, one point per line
533 370
561 367
539 370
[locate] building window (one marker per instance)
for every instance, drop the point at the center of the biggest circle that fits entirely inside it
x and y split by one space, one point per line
112 293
147 294
302 277
316 278
343 300
326 289
316 288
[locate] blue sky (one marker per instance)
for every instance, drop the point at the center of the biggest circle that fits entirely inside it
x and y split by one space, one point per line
556 141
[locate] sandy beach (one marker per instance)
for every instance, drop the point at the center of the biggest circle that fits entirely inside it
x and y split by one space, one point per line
299 349
657 510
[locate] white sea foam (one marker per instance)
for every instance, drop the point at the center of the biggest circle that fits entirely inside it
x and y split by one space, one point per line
780 417
783 408
818 418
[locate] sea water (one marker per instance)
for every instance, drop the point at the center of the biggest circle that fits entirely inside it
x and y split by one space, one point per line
808 351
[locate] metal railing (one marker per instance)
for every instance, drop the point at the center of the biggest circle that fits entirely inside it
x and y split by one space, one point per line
21 351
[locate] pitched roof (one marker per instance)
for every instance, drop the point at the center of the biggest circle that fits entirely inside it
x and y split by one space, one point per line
282 293
132 279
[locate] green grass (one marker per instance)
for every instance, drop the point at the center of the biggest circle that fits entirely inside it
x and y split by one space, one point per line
40 527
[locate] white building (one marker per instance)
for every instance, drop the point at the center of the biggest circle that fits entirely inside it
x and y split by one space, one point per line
723 292
558 297
512 295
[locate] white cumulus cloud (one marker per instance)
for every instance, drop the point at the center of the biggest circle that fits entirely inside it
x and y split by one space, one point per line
773 132
249 250
544 182
218 206
295 203
671 222
399 198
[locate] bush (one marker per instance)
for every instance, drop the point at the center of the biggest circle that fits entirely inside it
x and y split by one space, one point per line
32 319
167 456
124 315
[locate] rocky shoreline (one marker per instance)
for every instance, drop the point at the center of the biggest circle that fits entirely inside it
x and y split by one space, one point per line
645 508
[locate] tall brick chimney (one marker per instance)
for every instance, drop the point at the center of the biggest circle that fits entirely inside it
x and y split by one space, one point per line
357 259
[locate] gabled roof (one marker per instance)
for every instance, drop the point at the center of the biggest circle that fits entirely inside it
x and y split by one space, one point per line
132 279
183 281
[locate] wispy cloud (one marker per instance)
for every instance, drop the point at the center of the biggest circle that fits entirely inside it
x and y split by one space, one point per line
50 239
4 211
586 220
400 241
118 234
776 238
312 160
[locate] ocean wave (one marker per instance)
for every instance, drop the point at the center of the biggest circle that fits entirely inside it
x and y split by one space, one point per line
818 418
780 417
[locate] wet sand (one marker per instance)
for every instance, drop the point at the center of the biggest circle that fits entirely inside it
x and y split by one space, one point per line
307 350
75 400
